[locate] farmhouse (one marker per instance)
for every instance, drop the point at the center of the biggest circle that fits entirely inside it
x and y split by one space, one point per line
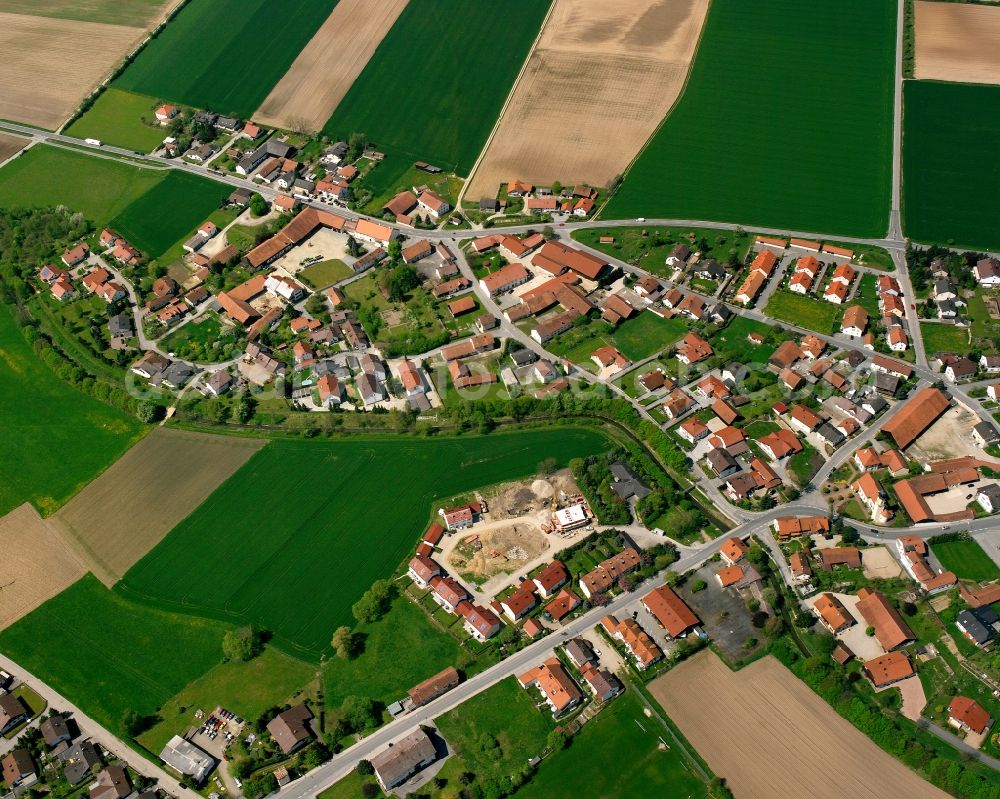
840 556
505 279
403 759
555 257
912 551
291 729
890 629
916 416
831 611
433 687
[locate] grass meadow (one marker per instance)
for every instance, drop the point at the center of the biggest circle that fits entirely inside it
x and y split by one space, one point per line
225 55
100 188
967 559
109 655
137 13
295 537
622 733
169 212
942 337
433 89
55 439
116 118
773 131
951 163
808 312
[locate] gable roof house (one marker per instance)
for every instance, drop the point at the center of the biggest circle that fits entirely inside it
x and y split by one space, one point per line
554 684
916 416
890 629
291 729
670 611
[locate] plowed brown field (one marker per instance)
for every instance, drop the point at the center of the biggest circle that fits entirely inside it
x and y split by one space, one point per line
957 41
10 145
37 563
601 79
125 512
323 72
50 64
769 735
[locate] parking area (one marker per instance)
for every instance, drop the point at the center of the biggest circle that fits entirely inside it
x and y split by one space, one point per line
721 610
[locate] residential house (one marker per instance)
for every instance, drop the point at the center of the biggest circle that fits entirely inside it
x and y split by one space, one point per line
871 494
888 669
403 759
555 685
670 612
636 641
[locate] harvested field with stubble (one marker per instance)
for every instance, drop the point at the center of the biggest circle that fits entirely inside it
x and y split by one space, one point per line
957 42
594 89
125 512
51 64
37 564
323 72
9 145
770 735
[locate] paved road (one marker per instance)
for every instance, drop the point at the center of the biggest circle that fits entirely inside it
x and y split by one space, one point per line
96 732
953 740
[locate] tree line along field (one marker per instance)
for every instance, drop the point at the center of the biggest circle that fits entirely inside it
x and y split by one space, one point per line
294 538
951 164
109 655
55 439
774 130
225 55
435 86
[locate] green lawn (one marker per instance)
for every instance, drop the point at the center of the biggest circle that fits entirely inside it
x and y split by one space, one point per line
967 559
55 439
137 13
350 788
951 165
732 342
201 339
247 689
807 312
98 187
386 183
225 55
867 296
109 655
170 211
400 650
507 713
772 132
593 766
441 107
116 118
944 338
318 530
324 273
645 334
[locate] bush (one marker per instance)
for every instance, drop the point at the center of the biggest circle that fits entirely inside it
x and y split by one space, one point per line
698 585
375 602
241 644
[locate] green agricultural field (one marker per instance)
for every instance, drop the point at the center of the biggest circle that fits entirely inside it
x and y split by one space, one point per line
951 164
136 13
109 655
505 713
967 559
400 650
169 212
225 55
458 60
100 188
770 131
807 312
55 439
248 689
116 118
591 766
940 337
319 530
324 273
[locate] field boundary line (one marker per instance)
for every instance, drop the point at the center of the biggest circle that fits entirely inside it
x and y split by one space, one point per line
506 104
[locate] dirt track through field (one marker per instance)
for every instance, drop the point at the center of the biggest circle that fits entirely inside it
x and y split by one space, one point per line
601 79
957 41
126 511
10 145
50 65
769 735
325 69
37 563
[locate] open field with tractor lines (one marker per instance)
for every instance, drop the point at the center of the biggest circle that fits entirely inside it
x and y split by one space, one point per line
315 514
957 41
775 131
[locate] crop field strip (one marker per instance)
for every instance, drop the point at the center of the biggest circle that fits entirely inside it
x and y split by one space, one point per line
773 130
957 41
315 514
435 86
951 163
770 735
325 69
9 145
225 55
134 13
123 514
596 86
55 439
